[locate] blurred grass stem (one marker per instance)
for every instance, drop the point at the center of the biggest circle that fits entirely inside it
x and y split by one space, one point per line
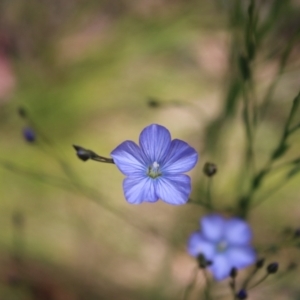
191 284
74 187
249 278
279 151
282 64
259 281
207 295
200 203
249 131
208 193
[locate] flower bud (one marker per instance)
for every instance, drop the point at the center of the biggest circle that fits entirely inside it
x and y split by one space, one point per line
153 103
242 294
260 263
297 233
233 272
202 262
272 268
22 112
29 134
82 153
210 169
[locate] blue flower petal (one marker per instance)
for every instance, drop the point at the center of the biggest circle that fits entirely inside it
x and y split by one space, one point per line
155 141
241 257
197 245
237 232
213 227
220 267
138 189
129 158
180 159
174 189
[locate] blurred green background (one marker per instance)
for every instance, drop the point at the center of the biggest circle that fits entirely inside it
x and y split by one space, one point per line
95 73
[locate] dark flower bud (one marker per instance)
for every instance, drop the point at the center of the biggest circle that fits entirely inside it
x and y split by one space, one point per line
22 112
242 294
297 233
233 272
272 268
202 262
210 169
29 134
260 263
153 103
85 154
82 153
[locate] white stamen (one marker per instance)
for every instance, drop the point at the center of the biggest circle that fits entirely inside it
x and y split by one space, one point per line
153 170
155 165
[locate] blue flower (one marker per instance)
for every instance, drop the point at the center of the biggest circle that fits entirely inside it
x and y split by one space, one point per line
154 168
224 242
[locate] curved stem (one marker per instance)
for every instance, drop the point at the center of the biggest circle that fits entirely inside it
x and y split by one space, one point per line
191 284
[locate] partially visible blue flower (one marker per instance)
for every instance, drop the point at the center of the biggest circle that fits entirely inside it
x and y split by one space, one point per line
29 134
224 242
154 168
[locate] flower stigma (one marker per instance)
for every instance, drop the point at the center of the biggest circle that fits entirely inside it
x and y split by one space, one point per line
222 246
154 171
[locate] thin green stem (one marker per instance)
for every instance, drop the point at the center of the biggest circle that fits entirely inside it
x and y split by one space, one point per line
233 288
271 192
285 244
207 295
282 64
259 281
283 165
293 129
257 179
75 187
249 278
249 131
191 284
208 193
198 202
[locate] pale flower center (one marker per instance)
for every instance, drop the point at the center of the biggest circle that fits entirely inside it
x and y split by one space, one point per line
153 170
222 246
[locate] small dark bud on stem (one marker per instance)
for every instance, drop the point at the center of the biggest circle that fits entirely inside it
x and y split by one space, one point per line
202 262
272 268
29 134
242 294
260 263
233 272
22 112
82 153
297 233
210 169
85 154
153 103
